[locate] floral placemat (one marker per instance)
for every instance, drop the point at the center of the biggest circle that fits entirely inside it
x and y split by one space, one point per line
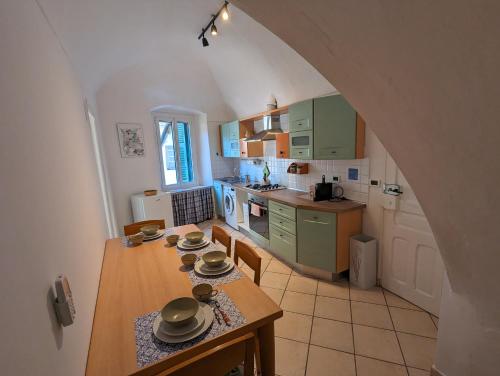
150 349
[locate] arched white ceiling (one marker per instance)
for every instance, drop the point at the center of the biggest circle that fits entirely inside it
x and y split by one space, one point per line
247 63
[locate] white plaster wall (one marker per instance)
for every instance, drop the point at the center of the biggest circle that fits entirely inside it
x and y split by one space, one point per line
51 221
130 97
425 76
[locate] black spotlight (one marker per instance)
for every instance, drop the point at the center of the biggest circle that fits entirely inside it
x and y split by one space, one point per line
204 41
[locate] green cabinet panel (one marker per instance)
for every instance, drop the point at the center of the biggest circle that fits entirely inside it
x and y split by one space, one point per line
317 239
334 128
219 200
282 222
300 116
283 244
282 209
230 133
301 145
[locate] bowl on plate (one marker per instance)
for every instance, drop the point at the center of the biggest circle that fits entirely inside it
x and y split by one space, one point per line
180 311
188 259
150 230
136 239
172 239
195 237
214 258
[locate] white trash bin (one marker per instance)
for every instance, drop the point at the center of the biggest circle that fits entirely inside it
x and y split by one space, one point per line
363 263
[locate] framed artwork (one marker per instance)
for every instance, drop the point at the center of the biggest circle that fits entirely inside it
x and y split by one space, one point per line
131 139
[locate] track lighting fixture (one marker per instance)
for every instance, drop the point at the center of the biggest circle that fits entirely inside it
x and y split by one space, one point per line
211 24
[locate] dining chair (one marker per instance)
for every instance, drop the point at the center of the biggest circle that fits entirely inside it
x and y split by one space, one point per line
218 233
134 228
219 360
250 257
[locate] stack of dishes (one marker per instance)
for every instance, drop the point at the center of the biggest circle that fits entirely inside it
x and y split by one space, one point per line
214 263
182 319
193 240
152 232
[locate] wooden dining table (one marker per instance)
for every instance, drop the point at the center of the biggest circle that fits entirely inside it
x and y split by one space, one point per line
142 279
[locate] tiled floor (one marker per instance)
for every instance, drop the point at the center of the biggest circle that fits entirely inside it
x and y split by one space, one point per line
333 329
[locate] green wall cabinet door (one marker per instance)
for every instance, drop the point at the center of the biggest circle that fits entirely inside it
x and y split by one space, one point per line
230 133
300 116
334 128
317 239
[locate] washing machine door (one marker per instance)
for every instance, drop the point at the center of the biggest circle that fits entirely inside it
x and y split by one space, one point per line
228 204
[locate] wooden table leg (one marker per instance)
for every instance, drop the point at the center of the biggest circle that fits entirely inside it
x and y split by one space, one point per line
266 347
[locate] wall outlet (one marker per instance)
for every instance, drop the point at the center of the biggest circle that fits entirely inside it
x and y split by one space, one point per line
375 183
336 178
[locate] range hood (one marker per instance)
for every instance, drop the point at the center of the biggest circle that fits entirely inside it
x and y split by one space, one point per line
271 127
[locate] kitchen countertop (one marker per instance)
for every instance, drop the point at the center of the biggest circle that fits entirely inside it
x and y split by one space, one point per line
293 198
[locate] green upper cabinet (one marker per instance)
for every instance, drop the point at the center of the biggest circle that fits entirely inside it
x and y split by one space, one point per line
300 116
334 128
317 239
230 135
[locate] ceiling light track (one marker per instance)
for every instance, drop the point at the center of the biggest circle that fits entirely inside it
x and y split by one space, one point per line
211 25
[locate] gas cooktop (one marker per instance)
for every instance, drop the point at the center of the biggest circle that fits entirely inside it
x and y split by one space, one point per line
265 188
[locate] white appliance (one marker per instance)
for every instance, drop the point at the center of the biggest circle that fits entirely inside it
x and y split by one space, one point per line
230 206
158 206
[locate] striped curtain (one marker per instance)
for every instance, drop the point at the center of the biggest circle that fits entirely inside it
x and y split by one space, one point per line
192 206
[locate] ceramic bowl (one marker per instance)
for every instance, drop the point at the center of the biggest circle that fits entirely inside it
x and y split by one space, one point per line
188 259
180 311
149 230
195 236
204 291
173 239
136 239
214 258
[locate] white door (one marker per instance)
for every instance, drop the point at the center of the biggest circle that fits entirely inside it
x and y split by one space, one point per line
411 264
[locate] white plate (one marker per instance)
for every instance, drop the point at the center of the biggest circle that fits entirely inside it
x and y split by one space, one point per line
200 269
175 331
159 234
184 244
209 318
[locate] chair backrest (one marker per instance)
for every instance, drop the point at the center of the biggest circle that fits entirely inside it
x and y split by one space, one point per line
219 360
218 233
250 257
134 228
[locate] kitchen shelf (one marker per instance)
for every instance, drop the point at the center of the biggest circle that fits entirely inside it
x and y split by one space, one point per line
304 168
259 116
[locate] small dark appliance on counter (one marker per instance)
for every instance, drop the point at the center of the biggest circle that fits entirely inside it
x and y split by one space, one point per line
323 190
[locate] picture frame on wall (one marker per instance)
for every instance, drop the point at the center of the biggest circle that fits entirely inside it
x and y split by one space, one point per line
131 140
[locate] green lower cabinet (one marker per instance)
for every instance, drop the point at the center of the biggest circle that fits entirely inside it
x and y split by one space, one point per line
283 244
317 239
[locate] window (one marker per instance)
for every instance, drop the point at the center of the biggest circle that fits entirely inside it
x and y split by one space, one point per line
174 142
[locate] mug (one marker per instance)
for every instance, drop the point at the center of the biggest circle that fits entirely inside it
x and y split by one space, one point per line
204 291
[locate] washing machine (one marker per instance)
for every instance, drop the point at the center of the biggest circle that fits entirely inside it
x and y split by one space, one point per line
230 206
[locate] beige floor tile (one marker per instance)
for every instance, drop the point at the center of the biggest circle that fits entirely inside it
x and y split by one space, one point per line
377 343
332 308
414 322
418 351
417 372
395 301
334 289
372 367
277 266
436 320
293 326
302 284
274 280
291 357
323 361
263 253
294 272
264 264
373 295
298 302
371 315
274 294
333 334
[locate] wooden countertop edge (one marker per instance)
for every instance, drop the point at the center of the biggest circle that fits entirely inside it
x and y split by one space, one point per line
314 205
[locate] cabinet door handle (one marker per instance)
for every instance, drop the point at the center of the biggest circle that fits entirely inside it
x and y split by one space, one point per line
317 222
334 152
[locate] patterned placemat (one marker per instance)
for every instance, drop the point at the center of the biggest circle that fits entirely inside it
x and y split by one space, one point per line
150 349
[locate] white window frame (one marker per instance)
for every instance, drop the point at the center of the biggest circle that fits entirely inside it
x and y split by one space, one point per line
193 135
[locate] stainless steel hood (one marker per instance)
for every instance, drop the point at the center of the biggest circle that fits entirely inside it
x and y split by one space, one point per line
272 126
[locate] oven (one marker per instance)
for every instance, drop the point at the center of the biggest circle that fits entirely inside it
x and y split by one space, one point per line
301 145
258 215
